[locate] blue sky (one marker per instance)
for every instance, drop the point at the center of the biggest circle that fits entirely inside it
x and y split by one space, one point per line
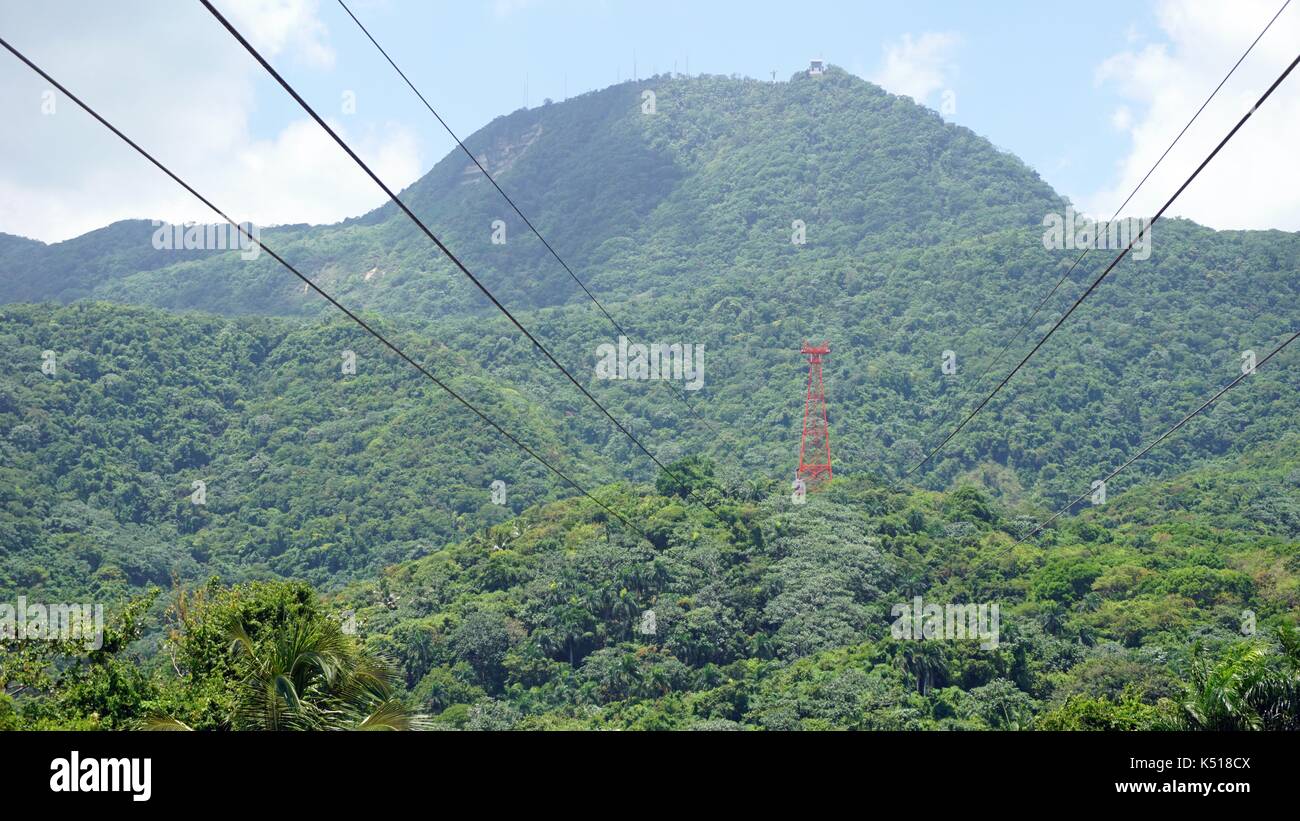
1088 95
1012 62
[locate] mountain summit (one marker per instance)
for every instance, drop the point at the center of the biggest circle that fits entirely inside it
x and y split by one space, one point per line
640 186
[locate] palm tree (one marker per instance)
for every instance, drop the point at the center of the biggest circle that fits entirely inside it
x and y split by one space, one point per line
570 630
762 646
1285 709
1051 616
1219 695
655 684
625 674
625 611
925 662
309 675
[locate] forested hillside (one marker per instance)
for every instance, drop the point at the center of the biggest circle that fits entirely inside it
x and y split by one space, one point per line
309 472
921 238
175 417
1164 615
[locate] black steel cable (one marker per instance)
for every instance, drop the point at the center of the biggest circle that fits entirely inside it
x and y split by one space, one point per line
85 107
1115 262
681 395
1162 437
1016 337
448 253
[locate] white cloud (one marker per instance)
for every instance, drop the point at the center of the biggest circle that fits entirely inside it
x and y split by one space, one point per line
304 174
1255 181
918 67
277 25
173 80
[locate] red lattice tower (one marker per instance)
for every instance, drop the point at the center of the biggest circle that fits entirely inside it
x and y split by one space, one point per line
815 447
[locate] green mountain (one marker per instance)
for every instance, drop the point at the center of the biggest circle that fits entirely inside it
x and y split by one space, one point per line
172 368
308 472
921 238
637 202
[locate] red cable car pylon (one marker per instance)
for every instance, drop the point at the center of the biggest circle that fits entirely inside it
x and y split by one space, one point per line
815 446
